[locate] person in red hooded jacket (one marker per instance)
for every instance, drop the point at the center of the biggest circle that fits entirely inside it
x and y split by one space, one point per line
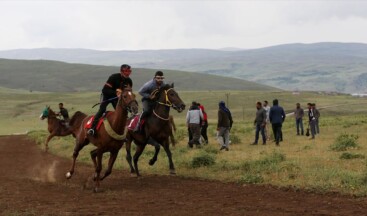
204 124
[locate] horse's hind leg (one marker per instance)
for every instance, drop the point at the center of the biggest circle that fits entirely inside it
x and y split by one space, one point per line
78 146
157 149
48 140
139 150
128 156
169 155
111 161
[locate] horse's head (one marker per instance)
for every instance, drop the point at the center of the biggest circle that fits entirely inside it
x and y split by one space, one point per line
47 112
169 97
128 101
44 113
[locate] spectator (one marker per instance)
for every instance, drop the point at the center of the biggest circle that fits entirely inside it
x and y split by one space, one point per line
193 119
311 120
204 124
224 125
298 115
260 123
317 116
277 117
266 129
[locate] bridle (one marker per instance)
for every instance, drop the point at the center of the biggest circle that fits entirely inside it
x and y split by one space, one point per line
167 103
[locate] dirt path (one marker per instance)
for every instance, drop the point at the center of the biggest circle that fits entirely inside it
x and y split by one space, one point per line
33 183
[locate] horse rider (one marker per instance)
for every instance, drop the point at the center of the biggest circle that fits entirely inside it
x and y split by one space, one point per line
147 99
110 91
64 113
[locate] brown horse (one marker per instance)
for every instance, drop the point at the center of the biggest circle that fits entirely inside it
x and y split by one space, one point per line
57 127
157 128
109 138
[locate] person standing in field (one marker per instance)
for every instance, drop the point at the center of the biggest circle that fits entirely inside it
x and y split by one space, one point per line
260 123
317 116
267 110
204 124
109 93
224 125
277 117
193 118
298 115
311 120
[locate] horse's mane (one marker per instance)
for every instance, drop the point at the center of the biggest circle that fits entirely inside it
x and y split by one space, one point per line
157 93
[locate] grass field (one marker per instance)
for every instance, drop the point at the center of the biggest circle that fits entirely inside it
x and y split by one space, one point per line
298 162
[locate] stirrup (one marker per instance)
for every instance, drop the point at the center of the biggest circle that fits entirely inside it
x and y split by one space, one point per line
91 132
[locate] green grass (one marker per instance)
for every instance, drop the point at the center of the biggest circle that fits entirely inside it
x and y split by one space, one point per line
298 162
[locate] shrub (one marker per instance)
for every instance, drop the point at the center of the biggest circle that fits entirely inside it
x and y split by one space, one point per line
344 142
268 163
202 159
251 179
347 155
234 139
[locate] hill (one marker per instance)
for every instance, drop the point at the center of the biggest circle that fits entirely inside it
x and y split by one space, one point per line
321 66
53 76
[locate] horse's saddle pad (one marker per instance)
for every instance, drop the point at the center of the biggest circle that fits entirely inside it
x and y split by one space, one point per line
88 125
132 122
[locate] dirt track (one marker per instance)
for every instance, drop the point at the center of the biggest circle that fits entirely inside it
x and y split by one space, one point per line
33 183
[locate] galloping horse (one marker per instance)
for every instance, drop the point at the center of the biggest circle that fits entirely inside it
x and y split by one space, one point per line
57 127
157 128
109 138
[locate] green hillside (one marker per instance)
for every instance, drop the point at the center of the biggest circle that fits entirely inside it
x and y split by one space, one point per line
52 76
338 67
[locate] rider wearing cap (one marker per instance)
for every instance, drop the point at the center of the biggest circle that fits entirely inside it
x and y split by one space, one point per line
145 91
109 92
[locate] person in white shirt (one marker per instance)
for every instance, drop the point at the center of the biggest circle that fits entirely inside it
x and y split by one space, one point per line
193 118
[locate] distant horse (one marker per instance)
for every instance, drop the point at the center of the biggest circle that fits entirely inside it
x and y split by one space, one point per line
157 128
57 127
109 138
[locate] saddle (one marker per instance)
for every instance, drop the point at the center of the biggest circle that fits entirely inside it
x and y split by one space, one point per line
88 125
133 121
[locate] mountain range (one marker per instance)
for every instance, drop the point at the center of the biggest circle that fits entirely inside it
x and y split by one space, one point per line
328 66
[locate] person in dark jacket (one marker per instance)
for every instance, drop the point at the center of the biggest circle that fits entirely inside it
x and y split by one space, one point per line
63 112
277 117
145 91
298 115
109 93
224 125
312 120
260 123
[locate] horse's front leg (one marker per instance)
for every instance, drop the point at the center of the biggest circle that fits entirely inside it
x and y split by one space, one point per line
157 149
169 155
111 161
48 140
128 155
78 146
139 150
96 156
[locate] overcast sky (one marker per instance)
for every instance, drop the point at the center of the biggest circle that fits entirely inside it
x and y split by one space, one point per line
135 25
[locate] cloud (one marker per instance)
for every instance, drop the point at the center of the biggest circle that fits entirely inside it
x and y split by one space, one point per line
117 25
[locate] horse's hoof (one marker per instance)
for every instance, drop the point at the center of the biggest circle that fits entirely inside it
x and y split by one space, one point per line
172 172
68 175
